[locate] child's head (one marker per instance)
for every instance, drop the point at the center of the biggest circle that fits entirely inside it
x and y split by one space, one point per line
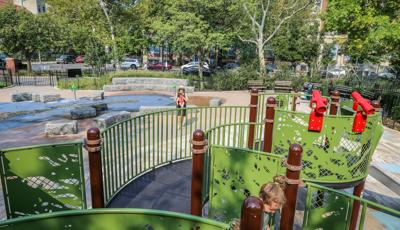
273 195
181 91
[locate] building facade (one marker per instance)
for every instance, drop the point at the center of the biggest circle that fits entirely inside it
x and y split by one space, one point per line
34 6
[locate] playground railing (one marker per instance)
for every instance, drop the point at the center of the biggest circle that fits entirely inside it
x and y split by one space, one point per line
113 219
326 208
145 142
42 178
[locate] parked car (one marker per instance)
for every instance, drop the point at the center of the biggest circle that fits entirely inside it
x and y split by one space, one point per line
158 66
387 73
194 63
195 70
271 68
336 72
232 65
65 59
80 59
130 63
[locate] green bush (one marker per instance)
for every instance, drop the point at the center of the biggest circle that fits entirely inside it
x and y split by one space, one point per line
396 113
84 82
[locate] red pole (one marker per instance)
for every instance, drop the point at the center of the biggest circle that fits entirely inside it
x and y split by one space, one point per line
269 124
293 175
198 150
252 214
253 116
356 205
335 97
93 146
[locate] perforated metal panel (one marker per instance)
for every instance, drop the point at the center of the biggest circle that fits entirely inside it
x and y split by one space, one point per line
42 179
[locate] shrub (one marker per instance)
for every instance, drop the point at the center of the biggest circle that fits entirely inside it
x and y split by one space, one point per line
84 82
144 73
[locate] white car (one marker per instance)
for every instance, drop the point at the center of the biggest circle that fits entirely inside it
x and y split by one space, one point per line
336 72
130 63
194 64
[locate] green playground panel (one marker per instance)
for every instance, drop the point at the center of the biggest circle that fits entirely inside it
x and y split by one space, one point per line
99 219
326 208
42 179
335 154
236 174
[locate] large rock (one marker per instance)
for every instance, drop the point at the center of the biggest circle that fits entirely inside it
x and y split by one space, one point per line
17 97
83 112
108 119
97 96
49 97
61 127
215 102
99 106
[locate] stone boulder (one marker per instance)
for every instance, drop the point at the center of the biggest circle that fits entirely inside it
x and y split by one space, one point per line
108 119
83 112
50 97
99 106
61 127
17 97
97 96
215 102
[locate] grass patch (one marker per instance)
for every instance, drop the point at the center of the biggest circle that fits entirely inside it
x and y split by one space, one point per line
84 82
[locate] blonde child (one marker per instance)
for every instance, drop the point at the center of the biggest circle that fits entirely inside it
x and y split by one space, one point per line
273 197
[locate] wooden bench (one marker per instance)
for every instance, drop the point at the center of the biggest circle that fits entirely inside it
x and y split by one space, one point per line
367 94
256 84
344 91
283 86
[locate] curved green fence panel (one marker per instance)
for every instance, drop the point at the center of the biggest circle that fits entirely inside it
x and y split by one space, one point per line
42 179
335 154
326 208
106 219
236 174
140 144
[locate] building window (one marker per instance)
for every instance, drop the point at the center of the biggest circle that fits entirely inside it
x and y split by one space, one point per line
44 9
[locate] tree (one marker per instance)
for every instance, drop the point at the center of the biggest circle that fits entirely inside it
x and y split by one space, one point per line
22 32
372 28
264 19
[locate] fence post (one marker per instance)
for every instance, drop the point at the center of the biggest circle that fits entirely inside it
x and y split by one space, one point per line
335 97
198 150
251 217
93 146
253 116
358 189
269 124
293 165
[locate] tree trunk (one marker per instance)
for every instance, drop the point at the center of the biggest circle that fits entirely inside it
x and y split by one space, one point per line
201 70
261 58
29 67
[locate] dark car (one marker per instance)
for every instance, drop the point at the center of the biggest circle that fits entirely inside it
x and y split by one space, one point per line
158 66
65 59
231 66
195 70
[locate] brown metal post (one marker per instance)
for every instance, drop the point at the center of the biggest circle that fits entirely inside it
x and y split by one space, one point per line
253 116
356 205
335 97
269 124
293 175
251 217
93 146
198 150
